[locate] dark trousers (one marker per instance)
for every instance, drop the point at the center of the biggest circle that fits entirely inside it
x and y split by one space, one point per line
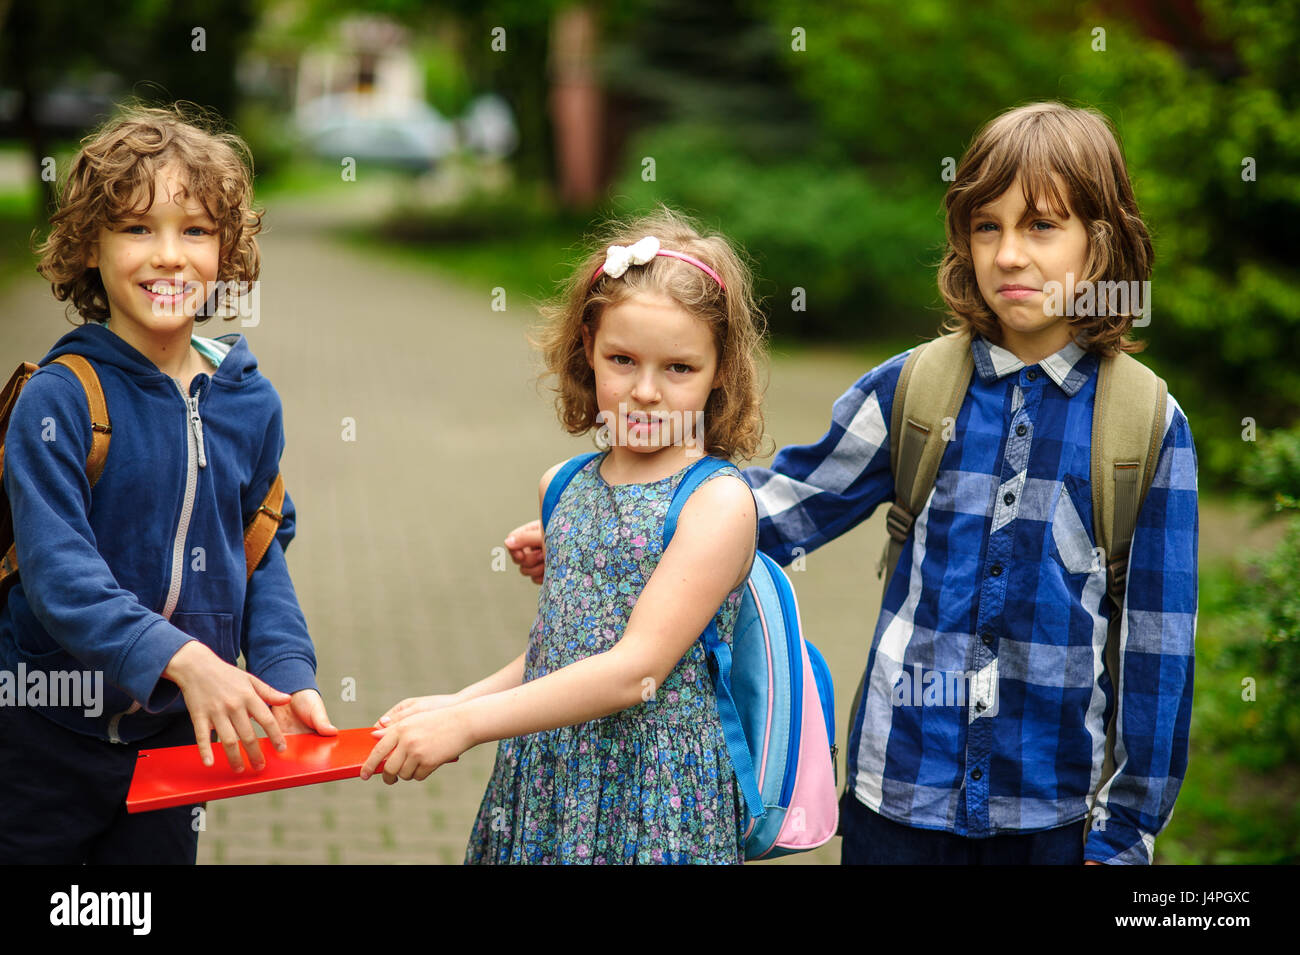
63 798
871 839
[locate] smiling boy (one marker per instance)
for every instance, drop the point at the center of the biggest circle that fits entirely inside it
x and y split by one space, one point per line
142 571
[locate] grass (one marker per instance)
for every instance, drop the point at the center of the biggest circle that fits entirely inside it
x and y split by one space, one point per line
18 218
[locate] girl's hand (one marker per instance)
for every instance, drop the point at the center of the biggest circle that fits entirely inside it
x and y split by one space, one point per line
419 744
413 705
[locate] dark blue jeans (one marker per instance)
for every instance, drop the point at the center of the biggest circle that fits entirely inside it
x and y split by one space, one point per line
63 798
871 839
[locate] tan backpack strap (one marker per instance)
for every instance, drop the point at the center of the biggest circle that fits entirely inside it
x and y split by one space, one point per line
261 530
931 387
8 398
1128 425
100 427
1127 431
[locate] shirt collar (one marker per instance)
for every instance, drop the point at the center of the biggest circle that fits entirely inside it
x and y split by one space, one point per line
1069 368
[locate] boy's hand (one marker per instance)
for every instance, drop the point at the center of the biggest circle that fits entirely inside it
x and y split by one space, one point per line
527 547
223 698
305 713
418 745
413 705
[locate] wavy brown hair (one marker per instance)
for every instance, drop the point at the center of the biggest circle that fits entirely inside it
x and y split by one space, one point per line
114 172
733 415
1041 144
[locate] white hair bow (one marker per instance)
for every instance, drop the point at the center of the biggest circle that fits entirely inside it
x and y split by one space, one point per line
619 257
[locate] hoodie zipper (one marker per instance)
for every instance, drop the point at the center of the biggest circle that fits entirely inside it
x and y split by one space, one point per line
195 458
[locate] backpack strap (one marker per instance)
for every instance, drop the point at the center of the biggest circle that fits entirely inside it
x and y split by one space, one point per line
699 472
261 530
931 387
1128 424
8 398
733 731
259 533
560 481
716 650
100 427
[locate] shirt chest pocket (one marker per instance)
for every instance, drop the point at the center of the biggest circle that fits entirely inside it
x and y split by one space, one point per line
1071 543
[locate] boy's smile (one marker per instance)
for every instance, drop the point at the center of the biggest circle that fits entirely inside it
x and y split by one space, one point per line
1015 252
157 268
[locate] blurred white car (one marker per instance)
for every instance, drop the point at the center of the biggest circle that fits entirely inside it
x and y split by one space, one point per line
408 134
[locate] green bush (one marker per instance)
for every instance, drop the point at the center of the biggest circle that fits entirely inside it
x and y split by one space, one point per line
863 253
1267 606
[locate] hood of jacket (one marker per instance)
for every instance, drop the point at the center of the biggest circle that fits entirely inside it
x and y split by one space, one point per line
98 343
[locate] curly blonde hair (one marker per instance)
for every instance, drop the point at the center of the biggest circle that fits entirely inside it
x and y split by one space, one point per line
1037 143
733 412
115 170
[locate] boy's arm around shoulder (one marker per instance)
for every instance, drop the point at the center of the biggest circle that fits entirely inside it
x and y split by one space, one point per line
71 590
814 493
1157 652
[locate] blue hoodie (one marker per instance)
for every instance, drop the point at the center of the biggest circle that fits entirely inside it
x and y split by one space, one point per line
116 581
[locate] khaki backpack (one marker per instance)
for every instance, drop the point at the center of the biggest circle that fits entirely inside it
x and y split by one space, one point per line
1128 426
258 534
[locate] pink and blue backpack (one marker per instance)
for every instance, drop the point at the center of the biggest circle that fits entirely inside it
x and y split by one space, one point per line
775 697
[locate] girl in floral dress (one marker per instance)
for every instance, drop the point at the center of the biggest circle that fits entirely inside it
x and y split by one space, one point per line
611 748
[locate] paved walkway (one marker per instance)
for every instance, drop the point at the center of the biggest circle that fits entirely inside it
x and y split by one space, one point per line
394 557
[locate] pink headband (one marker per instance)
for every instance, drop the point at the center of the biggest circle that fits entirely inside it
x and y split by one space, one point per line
619 257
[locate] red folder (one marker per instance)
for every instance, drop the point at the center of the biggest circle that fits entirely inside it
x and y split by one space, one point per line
176 776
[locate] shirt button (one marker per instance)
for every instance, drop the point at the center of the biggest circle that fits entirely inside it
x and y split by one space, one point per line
1020 430
1032 375
976 775
988 639
996 570
1008 498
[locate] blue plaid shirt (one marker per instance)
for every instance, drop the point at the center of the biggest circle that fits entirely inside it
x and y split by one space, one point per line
986 697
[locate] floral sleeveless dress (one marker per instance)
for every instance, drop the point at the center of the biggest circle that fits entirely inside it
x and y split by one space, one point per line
652 784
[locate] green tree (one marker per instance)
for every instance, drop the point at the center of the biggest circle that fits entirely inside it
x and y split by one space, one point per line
148 43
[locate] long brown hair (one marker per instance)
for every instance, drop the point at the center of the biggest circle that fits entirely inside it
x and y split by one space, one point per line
1038 143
